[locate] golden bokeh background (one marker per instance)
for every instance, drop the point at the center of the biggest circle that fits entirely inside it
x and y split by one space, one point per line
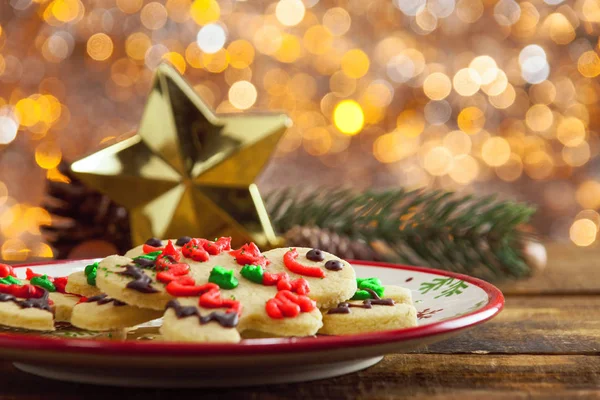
483 96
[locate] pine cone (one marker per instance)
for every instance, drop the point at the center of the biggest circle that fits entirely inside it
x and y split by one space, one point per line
341 246
83 217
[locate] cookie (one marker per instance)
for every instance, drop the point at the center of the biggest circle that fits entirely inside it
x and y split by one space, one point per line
185 321
364 320
13 314
330 278
120 278
102 313
63 305
35 303
373 307
78 284
62 302
97 311
398 294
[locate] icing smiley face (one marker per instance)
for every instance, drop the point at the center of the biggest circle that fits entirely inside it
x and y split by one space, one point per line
327 287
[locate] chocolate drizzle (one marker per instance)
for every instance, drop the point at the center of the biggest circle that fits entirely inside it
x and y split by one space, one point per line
315 255
104 299
141 281
334 265
225 319
144 262
344 308
182 240
154 242
40 303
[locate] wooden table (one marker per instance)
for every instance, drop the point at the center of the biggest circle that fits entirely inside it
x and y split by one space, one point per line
545 344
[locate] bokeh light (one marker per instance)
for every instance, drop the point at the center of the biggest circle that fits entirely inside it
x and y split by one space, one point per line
466 82
211 38
471 120
454 94
100 46
583 232
495 151
8 130
437 86
438 161
355 63
154 16
290 12
571 131
205 11
242 95
588 64
337 21
348 117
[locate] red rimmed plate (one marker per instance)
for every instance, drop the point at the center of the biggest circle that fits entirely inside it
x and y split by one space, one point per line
447 303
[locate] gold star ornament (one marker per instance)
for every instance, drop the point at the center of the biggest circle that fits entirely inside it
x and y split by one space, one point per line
188 171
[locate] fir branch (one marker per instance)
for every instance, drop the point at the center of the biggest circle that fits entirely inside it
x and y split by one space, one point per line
435 228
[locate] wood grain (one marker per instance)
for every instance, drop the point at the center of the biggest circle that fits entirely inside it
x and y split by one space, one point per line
412 376
534 325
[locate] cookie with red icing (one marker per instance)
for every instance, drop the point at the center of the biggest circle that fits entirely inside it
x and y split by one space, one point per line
35 303
330 278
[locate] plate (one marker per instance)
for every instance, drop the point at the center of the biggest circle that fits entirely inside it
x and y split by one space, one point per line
447 303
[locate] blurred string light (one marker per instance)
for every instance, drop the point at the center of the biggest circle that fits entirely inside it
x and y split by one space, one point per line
449 93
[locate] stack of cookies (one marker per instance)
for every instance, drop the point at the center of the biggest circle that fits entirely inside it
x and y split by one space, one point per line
207 292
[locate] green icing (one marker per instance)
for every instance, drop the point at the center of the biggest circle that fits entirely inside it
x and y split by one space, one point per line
11 280
223 277
150 256
253 273
368 283
90 272
43 282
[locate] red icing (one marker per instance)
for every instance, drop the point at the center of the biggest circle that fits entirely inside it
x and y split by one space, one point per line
185 286
30 275
22 291
216 248
212 299
168 260
286 304
201 249
210 295
300 286
169 266
249 254
174 271
150 249
59 283
6 270
289 259
282 280
194 249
